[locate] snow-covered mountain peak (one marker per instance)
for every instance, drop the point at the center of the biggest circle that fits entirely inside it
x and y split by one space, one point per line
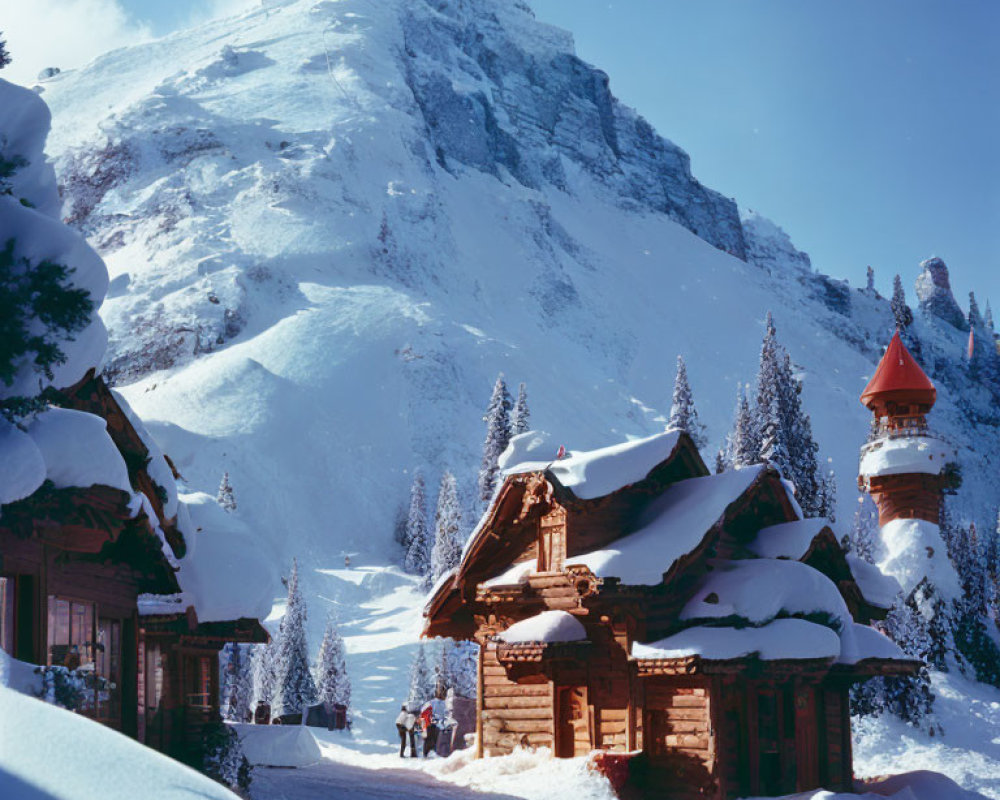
330 224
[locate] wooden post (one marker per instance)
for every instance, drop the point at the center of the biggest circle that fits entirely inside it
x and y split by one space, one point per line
480 700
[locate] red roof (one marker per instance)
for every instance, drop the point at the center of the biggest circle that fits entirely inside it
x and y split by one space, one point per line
899 377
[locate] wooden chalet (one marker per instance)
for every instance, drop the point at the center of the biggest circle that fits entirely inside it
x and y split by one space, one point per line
625 600
75 560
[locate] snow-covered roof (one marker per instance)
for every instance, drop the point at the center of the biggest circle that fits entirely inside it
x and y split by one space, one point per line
592 473
516 574
226 573
905 454
672 526
549 627
914 550
859 642
876 587
787 539
157 468
758 590
780 639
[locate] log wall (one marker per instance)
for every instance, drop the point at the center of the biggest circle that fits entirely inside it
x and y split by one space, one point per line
679 739
513 713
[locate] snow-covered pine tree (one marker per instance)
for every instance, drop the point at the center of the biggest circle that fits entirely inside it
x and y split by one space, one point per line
971 568
901 313
399 527
240 705
264 673
721 464
233 668
744 440
909 698
827 505
5 58
333 685
226 498
683 414
870 287
991 555
421 680
863 537
521 420
447 548
926 600
295 689
497 419
416 560
463 668
988 319
774 447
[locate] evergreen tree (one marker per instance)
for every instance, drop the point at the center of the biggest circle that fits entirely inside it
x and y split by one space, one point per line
332 682
399 535
926 601
721 465
971 567
827 505
497 419
265 677
870 287
909 698
421 680
226 498
447 548
462 668
901 312
991 555
417 558
988 320
295 689
5 58
520 422
773 446
240 680
864 529
683 414
744 440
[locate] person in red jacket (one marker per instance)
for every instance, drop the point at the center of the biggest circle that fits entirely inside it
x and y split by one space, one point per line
432 716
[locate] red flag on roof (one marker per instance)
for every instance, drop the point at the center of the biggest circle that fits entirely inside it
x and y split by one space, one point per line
972 342
562 452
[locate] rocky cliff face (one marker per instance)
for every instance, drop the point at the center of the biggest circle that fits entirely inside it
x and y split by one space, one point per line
934 294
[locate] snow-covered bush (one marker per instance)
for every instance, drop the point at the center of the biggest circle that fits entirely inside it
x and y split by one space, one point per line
223 759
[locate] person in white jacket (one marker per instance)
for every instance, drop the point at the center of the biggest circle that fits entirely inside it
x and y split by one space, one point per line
406 724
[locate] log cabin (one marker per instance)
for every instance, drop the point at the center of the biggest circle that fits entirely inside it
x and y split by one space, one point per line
625 600
94 572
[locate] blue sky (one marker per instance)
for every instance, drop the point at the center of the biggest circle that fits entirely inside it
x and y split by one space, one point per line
868 129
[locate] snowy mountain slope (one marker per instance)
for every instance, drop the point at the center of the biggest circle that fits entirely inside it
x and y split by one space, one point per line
329 225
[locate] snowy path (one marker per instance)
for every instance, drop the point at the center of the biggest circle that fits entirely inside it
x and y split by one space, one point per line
331 779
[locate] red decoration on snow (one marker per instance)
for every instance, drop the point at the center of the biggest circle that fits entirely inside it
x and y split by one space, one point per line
561 453
898 379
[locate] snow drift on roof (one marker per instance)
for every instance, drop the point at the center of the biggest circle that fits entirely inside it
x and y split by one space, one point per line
914 551
906 454
859 642
876 587
672 526
758 590
226 573
157 468
548 627
77 450
780 639
22 468
516 574
789 539
592 473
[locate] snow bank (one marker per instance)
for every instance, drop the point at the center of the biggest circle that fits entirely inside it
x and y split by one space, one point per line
593 473
789 539
548 627
907 454
914 551
47 753
278 745
758 590
781 639
673 525
19 676
876 587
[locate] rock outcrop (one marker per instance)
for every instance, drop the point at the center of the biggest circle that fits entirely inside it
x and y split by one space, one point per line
934 294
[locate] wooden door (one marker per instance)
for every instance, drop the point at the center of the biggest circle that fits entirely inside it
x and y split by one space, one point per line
573 734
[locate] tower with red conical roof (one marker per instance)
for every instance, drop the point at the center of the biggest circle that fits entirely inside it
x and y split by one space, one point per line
903 466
